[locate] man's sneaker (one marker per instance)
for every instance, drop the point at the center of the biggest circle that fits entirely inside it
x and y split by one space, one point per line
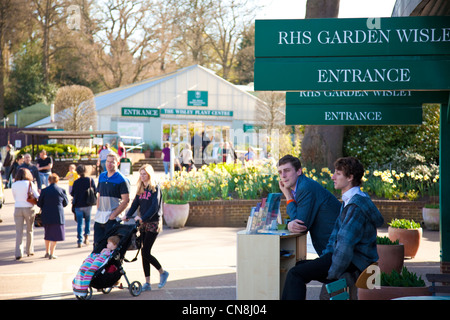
146 287
163 279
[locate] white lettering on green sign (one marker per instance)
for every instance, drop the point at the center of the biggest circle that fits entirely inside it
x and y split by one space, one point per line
353 116
140 112
305 37
368 75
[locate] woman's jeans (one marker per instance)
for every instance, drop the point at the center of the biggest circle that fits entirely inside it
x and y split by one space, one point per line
166 166
83 213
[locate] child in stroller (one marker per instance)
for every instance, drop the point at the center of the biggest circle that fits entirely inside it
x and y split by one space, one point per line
102 268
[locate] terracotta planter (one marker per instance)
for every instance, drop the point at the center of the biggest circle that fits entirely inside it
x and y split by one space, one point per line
157 154
176 215
431 218
388 293
390 257
410 238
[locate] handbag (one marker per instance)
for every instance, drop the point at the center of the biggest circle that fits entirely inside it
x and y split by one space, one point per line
38 220
30 196
91 197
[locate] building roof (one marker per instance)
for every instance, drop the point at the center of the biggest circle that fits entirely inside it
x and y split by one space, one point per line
107 98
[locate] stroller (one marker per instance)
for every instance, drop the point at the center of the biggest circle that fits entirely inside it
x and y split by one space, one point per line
111 270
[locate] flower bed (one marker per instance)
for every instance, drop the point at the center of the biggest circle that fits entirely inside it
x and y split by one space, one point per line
223 194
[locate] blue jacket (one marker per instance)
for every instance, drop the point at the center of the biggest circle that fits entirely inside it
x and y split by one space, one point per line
354 237
317 208
52 201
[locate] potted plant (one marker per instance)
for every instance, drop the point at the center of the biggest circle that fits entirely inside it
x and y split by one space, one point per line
430 214
146 149
407 232
156 150
390 254
176 196
395 285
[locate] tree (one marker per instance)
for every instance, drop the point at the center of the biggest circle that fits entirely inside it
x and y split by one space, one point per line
322 145
13 18
75 108
229 19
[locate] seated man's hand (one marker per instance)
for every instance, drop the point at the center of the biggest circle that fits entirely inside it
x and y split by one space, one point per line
296 226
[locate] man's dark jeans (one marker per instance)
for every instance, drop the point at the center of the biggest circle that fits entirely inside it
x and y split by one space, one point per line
306 271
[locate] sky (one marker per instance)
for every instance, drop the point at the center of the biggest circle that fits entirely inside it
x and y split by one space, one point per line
295 9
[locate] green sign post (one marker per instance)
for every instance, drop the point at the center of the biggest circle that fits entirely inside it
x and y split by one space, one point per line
405 53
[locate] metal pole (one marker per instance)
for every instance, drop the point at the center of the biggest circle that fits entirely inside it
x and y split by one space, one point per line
444 184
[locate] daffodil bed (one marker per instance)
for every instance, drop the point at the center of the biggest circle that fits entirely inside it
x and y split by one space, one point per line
256 179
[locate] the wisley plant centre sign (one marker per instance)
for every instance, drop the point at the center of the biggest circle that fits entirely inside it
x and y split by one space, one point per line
403 53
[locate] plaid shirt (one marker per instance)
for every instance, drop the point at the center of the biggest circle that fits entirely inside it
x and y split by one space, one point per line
353 239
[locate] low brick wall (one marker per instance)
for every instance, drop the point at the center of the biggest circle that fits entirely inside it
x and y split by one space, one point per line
234 213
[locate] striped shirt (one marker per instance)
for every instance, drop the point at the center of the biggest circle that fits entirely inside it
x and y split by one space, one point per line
110 190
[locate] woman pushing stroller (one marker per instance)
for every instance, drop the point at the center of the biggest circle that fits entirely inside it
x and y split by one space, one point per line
148 199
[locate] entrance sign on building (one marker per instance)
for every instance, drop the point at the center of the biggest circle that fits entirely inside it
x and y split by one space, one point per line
140 112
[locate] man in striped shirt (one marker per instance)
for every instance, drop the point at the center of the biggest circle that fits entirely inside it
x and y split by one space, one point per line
113 197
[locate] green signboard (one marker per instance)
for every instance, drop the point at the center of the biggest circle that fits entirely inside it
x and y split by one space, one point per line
354 115
357 73
352 37
367 97
197 98
140 112
194 112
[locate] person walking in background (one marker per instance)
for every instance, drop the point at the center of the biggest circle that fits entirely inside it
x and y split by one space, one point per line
186 157
71 175
52 201
82 209
121 151
148 200
27 164
14 167
44 165
23 211
7 165
166 157
102 157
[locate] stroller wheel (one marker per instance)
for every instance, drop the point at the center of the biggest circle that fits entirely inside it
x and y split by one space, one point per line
135 288
106 290
87 296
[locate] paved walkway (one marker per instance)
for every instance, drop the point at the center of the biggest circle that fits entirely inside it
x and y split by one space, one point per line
201 262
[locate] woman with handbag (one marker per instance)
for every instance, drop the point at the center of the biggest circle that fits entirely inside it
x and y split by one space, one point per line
149 201
84 195
52 201
23 210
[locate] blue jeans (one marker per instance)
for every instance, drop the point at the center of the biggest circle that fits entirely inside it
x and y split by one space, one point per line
83 213
44 178
166 166
101 229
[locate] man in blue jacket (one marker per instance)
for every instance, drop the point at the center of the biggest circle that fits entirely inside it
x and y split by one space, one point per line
352 244
310 206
